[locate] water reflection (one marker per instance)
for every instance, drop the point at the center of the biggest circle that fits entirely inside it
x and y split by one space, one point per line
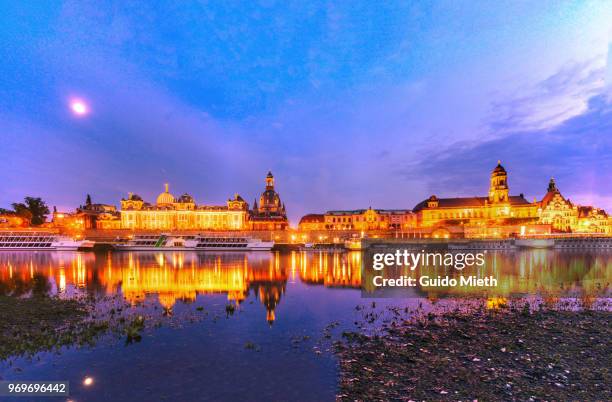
183 276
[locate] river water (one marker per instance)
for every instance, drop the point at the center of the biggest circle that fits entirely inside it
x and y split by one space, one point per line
275 345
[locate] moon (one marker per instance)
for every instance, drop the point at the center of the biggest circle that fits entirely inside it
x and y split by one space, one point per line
79 107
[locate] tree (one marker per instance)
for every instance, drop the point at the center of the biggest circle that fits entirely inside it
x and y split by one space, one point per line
22 210
33 209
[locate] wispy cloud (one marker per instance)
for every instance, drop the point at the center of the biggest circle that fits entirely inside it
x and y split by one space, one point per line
558 98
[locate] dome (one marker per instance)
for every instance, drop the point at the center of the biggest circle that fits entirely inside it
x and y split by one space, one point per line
186 198
269 197
165 197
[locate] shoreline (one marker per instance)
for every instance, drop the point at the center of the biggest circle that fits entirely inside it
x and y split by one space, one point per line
511 353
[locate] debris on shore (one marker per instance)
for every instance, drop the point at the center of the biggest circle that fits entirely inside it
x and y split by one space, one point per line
509 353
32 324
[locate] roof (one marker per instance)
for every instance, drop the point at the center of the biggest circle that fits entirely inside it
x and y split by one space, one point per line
361 211
468 202
499 168
313 218
585 211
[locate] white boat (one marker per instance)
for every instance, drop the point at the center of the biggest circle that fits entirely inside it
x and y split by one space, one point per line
38 240
167 242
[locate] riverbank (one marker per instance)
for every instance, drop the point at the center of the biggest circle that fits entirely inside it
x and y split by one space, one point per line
32 324
506 354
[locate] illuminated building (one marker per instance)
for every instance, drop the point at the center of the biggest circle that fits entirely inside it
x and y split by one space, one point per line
369 219
498 209
564 216
182 213
9 220
312 222
270 213
502 215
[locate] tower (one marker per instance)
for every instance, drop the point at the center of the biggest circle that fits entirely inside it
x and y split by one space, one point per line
269 181
498 191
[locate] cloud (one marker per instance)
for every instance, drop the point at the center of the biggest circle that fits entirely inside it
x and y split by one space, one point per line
560 97
576 153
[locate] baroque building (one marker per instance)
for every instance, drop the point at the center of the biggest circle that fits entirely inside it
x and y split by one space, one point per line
359 220
499 208
270 213
182 213
564 216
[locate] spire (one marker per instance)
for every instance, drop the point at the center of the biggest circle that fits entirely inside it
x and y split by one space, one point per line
167 187
88 200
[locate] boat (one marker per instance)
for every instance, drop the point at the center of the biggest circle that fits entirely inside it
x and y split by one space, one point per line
354 244
534 243
40 240
168 242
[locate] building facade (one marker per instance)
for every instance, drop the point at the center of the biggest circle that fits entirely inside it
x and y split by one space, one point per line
182 213
498 209
563 216
368 219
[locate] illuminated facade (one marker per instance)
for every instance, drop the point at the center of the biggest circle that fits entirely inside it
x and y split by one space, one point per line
564 216
369 219
9 220
501 215
270 213
182 213
497 209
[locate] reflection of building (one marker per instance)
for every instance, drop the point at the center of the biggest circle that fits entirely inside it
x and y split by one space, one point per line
270 213
359 219
182 213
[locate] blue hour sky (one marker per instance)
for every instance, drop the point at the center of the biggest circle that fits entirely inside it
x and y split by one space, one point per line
350 104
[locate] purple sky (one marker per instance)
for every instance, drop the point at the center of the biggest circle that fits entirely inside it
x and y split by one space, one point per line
350 104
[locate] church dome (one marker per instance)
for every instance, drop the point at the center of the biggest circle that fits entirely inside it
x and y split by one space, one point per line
186 198
165 197
269 197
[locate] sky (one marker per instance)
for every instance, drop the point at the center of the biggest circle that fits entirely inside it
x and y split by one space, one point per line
349 104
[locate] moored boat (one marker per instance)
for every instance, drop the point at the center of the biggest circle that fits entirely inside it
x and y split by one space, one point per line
40 240
170 242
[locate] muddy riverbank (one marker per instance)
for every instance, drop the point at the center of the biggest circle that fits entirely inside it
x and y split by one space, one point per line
511 353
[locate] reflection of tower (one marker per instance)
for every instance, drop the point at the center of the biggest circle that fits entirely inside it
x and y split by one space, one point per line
498 192
270 295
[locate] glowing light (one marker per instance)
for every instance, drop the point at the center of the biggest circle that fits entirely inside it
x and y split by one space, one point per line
79 107
88 381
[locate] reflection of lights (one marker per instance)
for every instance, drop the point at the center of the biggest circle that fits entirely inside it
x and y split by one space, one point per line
88 381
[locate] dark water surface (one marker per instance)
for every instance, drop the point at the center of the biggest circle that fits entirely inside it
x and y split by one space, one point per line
275 346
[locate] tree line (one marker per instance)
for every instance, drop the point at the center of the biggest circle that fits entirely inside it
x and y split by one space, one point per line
33 209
